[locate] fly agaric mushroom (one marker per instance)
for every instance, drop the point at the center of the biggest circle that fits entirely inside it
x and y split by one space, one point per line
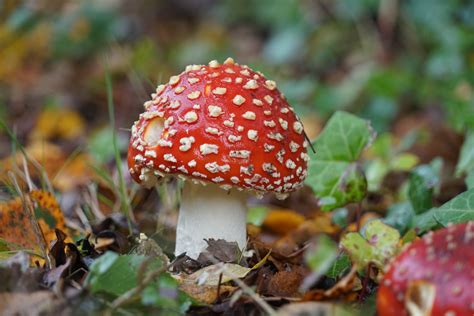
432 276
224 129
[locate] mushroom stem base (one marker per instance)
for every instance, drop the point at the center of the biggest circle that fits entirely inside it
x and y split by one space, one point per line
209 212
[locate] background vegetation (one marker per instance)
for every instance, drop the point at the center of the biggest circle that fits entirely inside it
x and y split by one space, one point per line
74 76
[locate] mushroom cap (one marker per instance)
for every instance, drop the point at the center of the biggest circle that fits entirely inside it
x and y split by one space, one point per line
225 124
435 273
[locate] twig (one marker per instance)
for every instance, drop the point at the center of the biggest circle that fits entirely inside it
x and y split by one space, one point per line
219 286
365 282
261 302
27 174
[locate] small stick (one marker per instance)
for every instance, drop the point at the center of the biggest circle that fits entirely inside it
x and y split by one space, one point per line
219 286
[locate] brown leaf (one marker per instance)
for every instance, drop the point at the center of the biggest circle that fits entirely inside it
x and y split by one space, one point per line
345 287
220 250
205 293
15 278
296 238
285 284
36 303
308 309
54 275
183 263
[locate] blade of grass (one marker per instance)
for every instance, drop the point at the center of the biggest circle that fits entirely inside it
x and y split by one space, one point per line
68 161
125 202
45 182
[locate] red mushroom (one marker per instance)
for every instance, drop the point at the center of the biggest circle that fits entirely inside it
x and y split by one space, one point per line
432 276
225 126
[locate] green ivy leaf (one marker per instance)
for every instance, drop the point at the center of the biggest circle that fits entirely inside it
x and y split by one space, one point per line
400 216
419 193
470 179
458 210
334 174
466 157
116 274
423 180
379 243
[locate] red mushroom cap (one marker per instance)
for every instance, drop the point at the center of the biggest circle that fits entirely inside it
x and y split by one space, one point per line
434 274
224 124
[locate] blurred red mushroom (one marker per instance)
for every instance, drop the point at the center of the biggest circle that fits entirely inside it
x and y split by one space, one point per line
432 276
227 129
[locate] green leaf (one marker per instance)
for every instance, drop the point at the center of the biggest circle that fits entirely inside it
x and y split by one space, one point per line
165 295
339 267
458 210
4 245
115 274
99 145
340 217
400 216
321 256
420 194
256 215
470 179
334 174
379 243
421 186
466 157
375 172
404 162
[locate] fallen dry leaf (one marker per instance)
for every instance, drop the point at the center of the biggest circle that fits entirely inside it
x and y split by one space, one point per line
210 275
220 250
285 283
208 284
63 172
205 293
295 239
308 309
18 221
282 221
345 287
36 303
58 123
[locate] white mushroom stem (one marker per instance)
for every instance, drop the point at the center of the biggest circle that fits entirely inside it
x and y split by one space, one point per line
209 212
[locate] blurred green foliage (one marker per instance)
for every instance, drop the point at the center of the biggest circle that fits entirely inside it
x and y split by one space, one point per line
376 58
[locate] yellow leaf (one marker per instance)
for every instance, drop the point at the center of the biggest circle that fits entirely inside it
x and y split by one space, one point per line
282 221
58 123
